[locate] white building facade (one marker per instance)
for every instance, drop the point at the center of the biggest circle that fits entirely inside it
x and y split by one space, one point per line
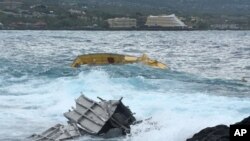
122 23
164 21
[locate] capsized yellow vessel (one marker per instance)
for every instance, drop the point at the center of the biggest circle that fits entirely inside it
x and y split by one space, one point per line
109 58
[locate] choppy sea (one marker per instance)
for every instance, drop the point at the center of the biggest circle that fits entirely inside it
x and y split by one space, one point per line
202 88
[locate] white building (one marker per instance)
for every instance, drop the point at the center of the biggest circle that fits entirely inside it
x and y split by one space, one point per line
1 25
122 23
76 12
164 21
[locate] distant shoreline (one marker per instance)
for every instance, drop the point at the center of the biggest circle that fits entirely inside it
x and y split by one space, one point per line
123 30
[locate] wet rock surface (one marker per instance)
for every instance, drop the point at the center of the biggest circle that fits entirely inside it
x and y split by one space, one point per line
217 133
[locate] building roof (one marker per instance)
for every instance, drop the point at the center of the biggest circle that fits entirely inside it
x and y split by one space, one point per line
123 18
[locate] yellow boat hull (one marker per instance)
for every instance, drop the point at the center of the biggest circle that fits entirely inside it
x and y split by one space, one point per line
107 58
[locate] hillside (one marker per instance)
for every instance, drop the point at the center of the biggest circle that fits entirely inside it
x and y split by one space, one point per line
55 14
228 7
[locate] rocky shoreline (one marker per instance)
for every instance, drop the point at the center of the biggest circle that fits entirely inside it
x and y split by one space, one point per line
217 133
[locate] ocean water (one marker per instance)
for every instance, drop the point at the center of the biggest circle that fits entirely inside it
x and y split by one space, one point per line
202 88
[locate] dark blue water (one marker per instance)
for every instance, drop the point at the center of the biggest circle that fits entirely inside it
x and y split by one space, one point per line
202 88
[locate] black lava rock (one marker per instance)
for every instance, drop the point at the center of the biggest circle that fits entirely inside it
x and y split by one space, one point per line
245 121
217 133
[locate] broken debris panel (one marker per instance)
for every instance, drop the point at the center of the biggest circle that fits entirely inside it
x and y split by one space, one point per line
105 119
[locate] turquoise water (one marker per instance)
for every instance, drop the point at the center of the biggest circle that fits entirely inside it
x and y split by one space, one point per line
202 88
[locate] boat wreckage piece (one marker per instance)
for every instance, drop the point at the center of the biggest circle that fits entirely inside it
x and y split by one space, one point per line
96 118
57 133
104 119
107 58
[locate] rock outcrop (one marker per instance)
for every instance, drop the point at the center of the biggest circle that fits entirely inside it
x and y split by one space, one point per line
217 133
245 121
